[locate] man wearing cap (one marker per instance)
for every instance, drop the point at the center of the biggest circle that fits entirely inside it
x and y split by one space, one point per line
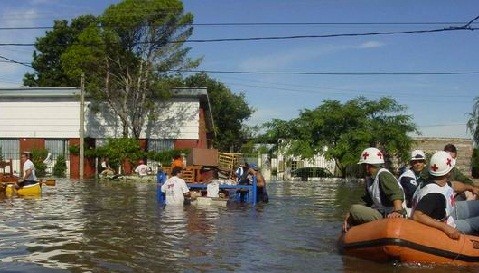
384 196
413 176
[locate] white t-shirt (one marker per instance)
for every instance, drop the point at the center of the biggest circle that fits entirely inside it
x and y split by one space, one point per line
28 164
174 188
141 170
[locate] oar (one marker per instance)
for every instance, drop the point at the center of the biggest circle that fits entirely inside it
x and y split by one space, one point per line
47 182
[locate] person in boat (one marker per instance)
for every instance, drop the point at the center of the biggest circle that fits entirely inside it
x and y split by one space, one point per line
414 175
384 195
457 176
29 177
434 203
262 194
141 169
175 188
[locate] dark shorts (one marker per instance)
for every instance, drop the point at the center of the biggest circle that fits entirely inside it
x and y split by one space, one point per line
26 183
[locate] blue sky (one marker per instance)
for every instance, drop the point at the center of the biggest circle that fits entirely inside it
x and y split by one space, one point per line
275 84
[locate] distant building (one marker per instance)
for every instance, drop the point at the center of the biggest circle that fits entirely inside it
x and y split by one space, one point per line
50 118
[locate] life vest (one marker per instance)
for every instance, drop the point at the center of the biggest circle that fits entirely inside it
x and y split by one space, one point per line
409 173
375 192
448 193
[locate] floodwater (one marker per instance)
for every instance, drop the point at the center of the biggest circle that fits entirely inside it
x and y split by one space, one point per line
119 227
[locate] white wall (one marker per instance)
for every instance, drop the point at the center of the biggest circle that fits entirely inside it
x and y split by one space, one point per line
38 118
177 119
41 119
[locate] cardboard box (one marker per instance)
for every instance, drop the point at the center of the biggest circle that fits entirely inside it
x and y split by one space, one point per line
202 157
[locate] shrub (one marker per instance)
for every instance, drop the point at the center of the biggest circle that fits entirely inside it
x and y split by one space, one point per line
60 167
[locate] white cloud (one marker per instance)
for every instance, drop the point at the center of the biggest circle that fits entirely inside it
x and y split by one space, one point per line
371 44
283 59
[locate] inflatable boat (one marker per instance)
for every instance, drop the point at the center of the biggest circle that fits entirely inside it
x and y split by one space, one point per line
407 241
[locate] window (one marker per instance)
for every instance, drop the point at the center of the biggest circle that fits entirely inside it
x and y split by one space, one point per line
10 148
160 145
57 147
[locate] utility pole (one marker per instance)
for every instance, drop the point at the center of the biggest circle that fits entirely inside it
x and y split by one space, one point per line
82 124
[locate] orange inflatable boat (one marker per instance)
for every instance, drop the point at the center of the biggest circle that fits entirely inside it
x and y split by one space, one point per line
408 241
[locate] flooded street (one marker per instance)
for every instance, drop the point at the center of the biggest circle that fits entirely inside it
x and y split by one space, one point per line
119 227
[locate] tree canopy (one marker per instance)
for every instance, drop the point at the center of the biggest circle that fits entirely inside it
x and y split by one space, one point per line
340 131
229 111
473 122
47 65
129 55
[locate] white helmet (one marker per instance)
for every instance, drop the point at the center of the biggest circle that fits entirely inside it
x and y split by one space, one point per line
441 163
418 155
371 156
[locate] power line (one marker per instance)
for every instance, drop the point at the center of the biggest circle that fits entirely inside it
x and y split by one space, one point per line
327 73
16 62
467 26
286 24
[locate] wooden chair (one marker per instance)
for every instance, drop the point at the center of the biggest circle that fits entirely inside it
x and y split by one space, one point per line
7 176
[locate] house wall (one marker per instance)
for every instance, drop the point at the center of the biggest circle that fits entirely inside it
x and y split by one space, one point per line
32 115
39 119
177 119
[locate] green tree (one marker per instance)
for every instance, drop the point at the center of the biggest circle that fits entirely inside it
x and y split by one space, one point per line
60 166
121 150
129 55
37 157
473 122
229 111
47 63
341 131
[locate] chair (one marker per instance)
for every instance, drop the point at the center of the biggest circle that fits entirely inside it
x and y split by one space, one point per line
7 176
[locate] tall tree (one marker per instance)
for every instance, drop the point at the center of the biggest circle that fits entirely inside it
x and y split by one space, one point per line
345 130
229 111
473 122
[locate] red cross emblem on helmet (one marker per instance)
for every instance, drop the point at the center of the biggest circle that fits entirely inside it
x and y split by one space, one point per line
449 162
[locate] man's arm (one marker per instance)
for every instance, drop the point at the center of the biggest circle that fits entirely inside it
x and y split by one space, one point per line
27 173
460 187
440 225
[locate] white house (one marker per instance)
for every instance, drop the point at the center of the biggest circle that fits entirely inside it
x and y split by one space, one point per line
41 117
